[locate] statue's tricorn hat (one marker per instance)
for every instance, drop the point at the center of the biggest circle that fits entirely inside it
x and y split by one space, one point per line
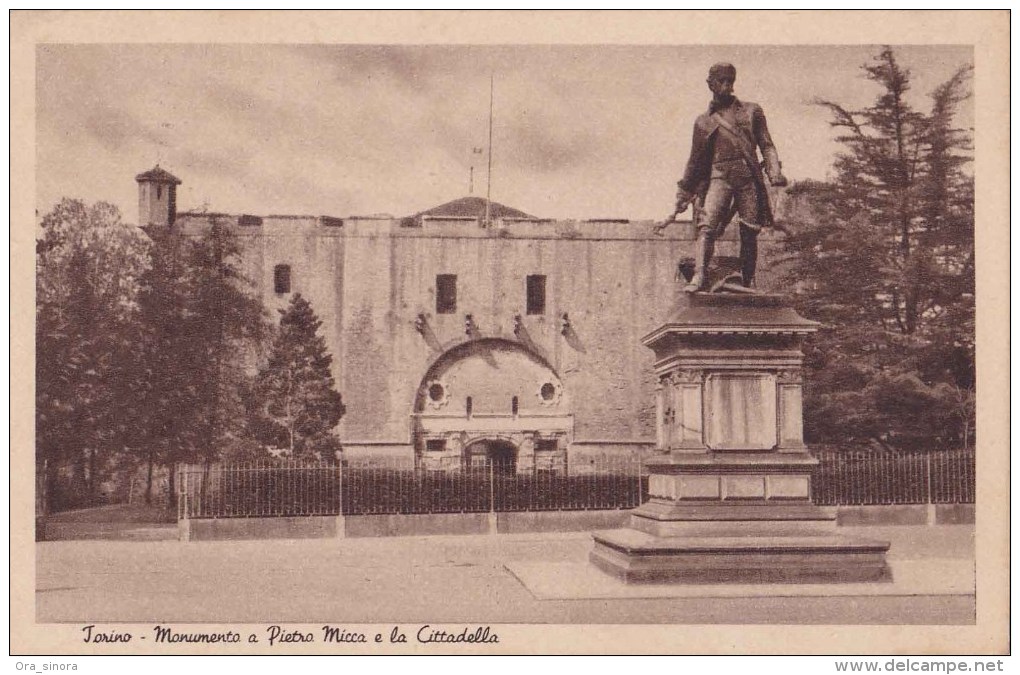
722 70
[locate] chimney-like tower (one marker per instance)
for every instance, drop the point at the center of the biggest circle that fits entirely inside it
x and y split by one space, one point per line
157 197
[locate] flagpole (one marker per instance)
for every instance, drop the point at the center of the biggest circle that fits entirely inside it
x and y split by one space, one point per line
488 177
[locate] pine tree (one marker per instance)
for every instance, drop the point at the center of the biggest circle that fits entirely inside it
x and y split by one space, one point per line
295 403
883 255
226 325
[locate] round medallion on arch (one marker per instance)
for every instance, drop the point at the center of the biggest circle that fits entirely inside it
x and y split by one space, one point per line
549 392
437 393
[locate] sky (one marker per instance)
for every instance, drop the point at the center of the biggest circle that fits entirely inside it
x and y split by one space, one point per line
579 131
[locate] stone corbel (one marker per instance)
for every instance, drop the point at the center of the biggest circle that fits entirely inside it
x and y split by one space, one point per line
693 376
790 376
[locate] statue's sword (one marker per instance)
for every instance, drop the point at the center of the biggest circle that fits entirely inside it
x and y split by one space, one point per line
697 212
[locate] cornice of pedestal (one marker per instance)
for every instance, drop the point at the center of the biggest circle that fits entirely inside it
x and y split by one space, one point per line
753 315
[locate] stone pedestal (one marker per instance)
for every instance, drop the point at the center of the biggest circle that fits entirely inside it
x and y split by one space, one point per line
730 492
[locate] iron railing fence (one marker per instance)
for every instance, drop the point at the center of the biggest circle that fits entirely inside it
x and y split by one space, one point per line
290 488
277 488
860 478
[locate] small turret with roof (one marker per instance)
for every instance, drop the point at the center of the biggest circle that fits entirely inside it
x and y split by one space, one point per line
157 197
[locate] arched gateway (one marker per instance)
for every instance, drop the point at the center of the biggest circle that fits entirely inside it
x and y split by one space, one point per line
492 401
498 454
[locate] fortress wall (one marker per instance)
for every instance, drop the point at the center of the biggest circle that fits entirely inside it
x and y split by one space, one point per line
368 280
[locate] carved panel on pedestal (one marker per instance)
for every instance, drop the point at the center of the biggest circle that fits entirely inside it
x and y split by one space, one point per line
740 411
791 416
688 385
791 412
789 487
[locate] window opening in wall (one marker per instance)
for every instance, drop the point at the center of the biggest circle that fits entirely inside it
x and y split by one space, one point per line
514 407
546 445
446 293
547 459
536 294
436 392
435 445
467 406
281 278
159 192
548 391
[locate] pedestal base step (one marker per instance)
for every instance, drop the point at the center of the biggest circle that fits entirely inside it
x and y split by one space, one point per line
733 528
662 518
637 557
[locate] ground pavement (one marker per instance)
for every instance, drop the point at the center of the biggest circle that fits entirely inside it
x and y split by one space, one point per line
437 579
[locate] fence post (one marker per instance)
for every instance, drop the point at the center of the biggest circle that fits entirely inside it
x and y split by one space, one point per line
341 523
493 525
930 518
640 482
42 505
183 522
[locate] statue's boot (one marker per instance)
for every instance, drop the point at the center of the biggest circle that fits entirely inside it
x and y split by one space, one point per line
704 248
748 255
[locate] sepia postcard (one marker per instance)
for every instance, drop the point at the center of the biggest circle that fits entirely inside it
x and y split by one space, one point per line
472 332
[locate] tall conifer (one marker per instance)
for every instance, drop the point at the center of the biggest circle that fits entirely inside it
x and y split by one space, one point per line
883 255
295 401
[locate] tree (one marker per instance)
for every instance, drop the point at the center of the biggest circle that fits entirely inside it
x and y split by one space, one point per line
200 324
226 325
165 395
883 255
295 404
88 265
145 347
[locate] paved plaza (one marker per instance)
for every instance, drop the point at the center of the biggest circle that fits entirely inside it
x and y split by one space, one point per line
449 579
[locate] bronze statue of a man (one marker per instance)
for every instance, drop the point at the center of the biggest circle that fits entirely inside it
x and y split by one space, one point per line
723 175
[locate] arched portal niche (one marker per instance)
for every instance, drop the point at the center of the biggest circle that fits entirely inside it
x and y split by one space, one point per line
495 454
485 390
